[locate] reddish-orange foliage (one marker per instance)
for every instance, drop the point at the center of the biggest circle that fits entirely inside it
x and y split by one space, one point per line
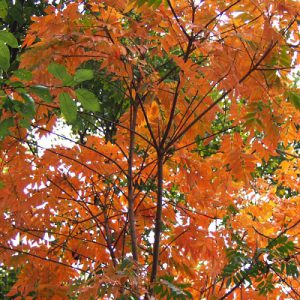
102 217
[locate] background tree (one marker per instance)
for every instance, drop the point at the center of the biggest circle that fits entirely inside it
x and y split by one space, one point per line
168 183
7 280
15 19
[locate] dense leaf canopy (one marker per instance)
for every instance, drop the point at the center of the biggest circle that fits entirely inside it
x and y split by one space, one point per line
150 150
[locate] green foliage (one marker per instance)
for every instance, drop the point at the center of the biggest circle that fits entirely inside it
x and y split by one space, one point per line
220 124
7 279
25 109
4 127
244 267
15 20
88 99
3 9
151 3
83 75
112 102
168 289
23 74
4 56
60 72
8 38
68 107
267 168
294 98
42 91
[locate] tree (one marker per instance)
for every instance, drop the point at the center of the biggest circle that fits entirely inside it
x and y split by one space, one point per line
15 20
178 175
7 280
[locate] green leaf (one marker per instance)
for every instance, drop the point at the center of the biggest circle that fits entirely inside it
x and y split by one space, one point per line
57 70
16 13
290 245
294 98
153 3
4 127
4 56
83 75
3 9
228 282
8 38
292 270
24 123
282 266
28 109
23 74
88 99
60 72
16 84
28 99
68 107
236 280
42 92
284 58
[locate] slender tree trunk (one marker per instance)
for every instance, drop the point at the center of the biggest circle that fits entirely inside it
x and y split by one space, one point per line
158 218
131 214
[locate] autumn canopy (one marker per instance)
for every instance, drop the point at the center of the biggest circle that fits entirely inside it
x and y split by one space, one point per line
150 150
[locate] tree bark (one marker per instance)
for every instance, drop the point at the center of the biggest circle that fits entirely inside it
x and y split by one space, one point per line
158 218
131 214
